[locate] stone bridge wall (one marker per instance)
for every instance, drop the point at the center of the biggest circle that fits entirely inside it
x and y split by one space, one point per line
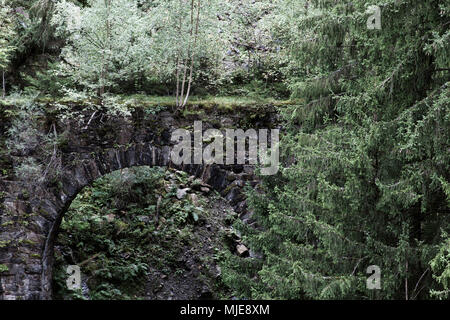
30 214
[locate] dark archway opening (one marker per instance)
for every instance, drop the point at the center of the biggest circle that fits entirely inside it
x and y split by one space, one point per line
142 233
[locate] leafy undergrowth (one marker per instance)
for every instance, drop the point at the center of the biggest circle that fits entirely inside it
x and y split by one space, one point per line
6 113
129 247
223 102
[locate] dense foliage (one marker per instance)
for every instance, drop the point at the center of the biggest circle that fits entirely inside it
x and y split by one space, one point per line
6 35
107 43
365 146
366 156
118 232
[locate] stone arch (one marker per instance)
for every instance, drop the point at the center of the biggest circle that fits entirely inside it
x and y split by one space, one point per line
29 223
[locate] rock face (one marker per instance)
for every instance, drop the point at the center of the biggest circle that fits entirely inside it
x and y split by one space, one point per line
30 215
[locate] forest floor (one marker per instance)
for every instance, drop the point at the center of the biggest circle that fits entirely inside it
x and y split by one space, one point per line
191 282
131 247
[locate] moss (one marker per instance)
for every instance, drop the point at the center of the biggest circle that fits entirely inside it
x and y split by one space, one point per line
228 189
23 223
25 195
3 268
193 112
84 136
224 103
43 212
27 241
8 223
4 243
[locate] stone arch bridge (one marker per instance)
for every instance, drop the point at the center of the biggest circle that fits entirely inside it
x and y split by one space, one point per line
31 212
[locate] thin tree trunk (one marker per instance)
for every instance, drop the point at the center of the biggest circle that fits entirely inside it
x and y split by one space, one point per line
108 36
3 85
101 90
185 62
104 71
183 82
193 55
178 102
406 281
178 79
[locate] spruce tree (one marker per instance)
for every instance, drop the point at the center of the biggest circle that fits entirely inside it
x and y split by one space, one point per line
365 157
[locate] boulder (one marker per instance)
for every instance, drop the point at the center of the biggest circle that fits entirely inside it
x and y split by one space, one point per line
181 193
242 250
145 219
194 199
205 190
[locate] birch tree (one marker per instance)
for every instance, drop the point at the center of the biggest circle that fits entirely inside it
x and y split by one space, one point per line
184 32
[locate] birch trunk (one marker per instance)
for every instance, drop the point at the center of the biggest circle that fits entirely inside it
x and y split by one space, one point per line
193 55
